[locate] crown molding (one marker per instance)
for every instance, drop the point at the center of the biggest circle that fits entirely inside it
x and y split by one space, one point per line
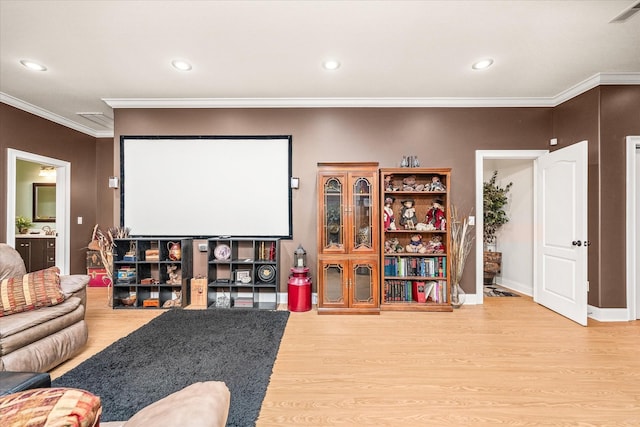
324 102
629 78
599 79
45 114
590 83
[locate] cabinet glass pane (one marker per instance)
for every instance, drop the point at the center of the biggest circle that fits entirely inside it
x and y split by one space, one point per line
333 277
333 221
362 204
362 277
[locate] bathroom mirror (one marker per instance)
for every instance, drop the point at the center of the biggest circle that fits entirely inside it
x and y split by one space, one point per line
44 202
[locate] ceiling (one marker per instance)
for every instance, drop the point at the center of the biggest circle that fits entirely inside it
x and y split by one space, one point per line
105 54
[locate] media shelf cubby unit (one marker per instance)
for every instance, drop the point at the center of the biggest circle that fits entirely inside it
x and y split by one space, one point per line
416 240
151 272
243 273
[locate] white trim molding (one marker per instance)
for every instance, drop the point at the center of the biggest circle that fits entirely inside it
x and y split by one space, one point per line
633 291
608 314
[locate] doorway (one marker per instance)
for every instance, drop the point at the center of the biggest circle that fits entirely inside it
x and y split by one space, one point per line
63 191
516 237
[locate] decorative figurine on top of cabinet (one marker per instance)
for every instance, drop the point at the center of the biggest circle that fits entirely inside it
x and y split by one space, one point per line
408 218
388 217
436 219
435 185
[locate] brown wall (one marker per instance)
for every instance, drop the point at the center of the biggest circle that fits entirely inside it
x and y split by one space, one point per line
23 131
446 137
604 116
440 137
619 118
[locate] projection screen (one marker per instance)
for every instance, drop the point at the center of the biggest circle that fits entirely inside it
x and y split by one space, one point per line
206 186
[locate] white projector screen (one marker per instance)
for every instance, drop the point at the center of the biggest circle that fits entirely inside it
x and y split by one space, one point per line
206 186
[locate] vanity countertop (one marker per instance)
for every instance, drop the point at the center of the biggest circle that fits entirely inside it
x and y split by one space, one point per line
35 236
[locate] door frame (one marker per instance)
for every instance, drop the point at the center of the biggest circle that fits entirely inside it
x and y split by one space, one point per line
63 204
481 156
633 286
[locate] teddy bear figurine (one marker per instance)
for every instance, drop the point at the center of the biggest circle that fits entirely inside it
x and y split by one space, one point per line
435 185
415 245
409 183
434 245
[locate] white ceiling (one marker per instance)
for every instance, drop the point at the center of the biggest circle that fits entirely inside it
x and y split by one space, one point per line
269 53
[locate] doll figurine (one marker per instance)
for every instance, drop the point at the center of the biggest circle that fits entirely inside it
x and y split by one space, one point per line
389 220
408 218
435 216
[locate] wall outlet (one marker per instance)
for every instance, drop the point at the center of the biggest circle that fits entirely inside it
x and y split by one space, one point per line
472 220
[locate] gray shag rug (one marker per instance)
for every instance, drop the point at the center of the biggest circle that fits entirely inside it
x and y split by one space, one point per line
179 348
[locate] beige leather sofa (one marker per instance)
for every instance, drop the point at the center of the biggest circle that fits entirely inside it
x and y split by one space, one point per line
41 339
203 404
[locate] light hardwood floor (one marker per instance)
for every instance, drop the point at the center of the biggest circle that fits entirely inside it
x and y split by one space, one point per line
507 362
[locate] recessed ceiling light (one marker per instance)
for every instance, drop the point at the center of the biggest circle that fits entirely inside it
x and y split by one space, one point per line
181 65
33 65
331 64
482 64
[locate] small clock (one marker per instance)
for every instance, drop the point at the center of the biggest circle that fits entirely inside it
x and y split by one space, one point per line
267 273
222 251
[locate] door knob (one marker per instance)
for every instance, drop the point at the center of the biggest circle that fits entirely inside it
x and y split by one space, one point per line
587 243
576 243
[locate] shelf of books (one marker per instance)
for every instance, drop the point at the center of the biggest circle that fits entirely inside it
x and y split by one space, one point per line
415 206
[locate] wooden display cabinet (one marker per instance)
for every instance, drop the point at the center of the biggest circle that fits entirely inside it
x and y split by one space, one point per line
348 238
414 273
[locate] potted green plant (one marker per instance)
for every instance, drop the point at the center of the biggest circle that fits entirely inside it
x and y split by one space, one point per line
23 224
494 216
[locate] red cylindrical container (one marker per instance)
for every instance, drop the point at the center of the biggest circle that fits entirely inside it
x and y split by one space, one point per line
299 298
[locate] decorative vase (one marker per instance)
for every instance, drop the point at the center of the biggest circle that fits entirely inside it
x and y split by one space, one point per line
175 252
457 296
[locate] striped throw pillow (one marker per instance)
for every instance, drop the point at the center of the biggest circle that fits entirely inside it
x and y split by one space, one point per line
31 291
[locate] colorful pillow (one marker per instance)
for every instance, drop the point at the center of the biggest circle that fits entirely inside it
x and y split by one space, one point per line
38 407
31 291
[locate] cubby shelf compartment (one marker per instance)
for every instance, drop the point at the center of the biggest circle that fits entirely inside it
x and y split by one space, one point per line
243 273
142 267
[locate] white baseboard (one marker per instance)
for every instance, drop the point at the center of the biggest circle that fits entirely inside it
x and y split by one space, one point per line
608 314
519 287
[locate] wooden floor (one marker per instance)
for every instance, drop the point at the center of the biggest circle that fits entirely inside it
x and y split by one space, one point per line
507 362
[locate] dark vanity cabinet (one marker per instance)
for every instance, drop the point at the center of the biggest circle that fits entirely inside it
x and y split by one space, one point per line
38 253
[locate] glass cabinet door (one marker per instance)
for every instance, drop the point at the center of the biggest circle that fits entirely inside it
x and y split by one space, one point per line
363 283
332 275
361 205
333 219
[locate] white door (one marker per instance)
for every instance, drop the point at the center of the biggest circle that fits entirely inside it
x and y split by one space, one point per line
560 278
